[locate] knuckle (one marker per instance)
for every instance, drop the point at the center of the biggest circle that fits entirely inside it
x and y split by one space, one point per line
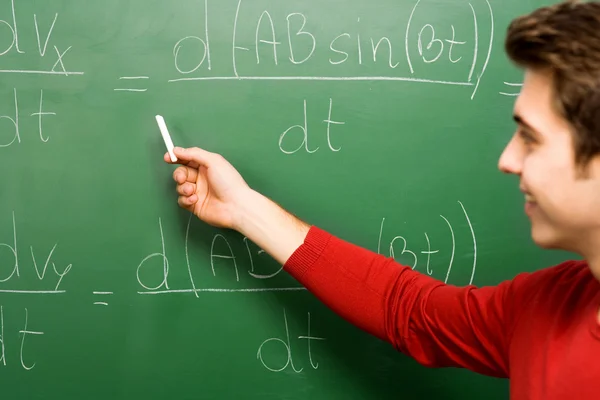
186 189
178 171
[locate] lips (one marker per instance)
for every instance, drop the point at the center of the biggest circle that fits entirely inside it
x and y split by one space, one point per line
530 203
528 197
529 208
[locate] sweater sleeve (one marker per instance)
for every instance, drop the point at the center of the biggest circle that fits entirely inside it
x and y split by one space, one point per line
438 325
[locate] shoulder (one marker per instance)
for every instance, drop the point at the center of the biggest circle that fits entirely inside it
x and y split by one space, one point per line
562 275
568 281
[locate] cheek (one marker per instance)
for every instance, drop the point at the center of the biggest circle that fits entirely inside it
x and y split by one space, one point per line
547 180
561 197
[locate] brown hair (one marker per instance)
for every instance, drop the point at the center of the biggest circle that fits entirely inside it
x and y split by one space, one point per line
565 39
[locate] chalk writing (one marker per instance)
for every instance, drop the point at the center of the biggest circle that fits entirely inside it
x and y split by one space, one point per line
453 248
302 40
14 121
13 273
59 60
234 46
28 366
37 34
428 28
247 242
300 32
273 40
14 131
375 47
102 303
304 129
14 31
287 344
512 86
228 256
2 348
24 333
304 143
408 256
42 42
40 114
165 263
132 78
221 257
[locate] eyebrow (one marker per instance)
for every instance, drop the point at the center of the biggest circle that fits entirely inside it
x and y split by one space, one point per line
519 120
528 132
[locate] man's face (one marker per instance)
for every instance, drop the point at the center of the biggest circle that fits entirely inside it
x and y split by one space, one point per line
563 206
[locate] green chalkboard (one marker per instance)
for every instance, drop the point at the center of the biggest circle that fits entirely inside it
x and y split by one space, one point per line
380 121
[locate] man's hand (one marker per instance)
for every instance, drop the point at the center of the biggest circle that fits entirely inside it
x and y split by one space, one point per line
209 186
212 189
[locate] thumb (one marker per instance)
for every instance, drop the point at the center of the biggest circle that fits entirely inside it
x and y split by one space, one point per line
194 155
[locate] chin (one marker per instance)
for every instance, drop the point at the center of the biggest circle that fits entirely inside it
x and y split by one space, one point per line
545 239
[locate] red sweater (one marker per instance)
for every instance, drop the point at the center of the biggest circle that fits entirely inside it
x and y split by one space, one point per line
539 329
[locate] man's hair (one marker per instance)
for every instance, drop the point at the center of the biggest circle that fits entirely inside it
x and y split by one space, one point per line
564 39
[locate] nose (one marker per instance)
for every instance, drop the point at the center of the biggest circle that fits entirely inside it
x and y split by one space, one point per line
511 159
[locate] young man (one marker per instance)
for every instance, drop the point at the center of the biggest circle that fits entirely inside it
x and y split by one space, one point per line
541 329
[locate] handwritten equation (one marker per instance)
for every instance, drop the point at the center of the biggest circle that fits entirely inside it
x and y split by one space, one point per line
43 34
260 45
259 41
193 53
153 278
25 361
421 44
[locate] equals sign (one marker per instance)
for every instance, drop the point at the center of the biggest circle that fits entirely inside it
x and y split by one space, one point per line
130 78
102 303
511 85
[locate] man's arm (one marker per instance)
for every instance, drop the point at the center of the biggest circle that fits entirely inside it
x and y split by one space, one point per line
437 324
213 190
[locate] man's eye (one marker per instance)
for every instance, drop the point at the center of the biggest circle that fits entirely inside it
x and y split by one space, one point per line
527 137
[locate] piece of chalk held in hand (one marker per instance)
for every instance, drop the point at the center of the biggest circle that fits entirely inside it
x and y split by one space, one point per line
166 137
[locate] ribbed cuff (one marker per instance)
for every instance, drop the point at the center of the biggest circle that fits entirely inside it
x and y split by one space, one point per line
308 253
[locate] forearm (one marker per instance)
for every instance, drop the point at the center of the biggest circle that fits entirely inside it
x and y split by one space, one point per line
437 324
353 284
269 226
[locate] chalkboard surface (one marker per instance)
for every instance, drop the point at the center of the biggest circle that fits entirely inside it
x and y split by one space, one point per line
380 121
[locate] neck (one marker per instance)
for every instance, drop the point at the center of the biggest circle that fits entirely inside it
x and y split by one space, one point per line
587 246
592 256
593 260
594 265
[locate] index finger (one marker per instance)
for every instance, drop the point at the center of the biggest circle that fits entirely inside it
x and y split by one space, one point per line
193 154
190 163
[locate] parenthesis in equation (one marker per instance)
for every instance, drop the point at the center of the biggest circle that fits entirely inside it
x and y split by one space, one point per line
489 53
406 37
454 244
474 242
453 249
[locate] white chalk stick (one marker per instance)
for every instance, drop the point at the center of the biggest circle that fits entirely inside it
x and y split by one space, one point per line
166 137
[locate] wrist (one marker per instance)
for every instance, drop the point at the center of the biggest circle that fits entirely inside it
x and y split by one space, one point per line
247 210
268 225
